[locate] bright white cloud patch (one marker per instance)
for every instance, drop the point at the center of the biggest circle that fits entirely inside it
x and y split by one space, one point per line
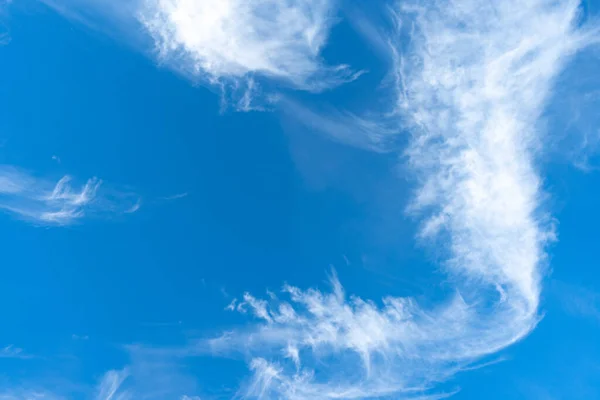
230 39
57 203
228 44
472 83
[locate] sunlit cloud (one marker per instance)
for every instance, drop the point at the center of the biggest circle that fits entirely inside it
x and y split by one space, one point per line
226 44
472 81
233 38
44 202
111 386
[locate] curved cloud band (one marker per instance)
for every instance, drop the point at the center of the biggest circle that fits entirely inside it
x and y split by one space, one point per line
472 84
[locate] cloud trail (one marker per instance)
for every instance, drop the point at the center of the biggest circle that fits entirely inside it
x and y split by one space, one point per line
367 133
230 45
111 386
472 82
47 203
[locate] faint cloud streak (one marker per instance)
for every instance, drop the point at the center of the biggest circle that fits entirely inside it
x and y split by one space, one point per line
62 203
11 351
111 386
577 300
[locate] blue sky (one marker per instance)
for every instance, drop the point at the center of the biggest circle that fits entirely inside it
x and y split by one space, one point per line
309 199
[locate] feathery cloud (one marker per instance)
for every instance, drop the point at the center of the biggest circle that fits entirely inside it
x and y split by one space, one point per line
472 83
473 78
61 203
227 44
110 387
230 39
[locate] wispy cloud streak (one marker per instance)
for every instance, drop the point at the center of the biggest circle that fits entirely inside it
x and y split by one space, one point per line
11 351
473 78
57 203
111 386
367 133
229 45
577 300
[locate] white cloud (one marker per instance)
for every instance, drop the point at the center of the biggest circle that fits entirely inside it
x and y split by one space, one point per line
61 203
228 39
227 44
110 387
472 84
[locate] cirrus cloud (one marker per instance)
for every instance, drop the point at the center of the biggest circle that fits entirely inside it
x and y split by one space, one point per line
473 78
472 83
229 45
224 39
58 203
